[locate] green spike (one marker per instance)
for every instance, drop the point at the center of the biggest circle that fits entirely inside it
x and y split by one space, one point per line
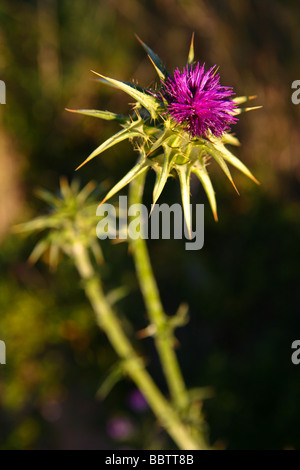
75 186
243 99
230 139
220 160
162 175
97 252
163 138
133 173
124 134
133 85
65 188
37 224
156 61
234 161
245 110
146 100
85 192
114 376
191 51
201 172
54 256
46 196
107 115
184 179
38 251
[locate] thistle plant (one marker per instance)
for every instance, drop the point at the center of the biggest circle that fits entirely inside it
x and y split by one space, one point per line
69 229
176 127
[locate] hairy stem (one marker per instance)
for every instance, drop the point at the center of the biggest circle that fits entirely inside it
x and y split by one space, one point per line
132 363
163 334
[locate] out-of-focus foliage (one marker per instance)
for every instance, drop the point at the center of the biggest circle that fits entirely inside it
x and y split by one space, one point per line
242 287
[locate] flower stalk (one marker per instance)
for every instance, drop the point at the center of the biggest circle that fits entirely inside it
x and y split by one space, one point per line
70 229
163 332
133 364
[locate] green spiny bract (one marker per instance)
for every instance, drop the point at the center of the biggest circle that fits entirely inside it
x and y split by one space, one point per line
71 218
164 145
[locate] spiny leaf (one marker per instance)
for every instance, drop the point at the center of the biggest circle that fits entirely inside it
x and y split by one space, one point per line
191 51
245 110
220 160
97 252
146 100
201 172
163 138
38 250
243 99
54 255
75 186
124 134
156 61
184 179
139 168
230 140
107 115
37 224
133 85
117 294
116 374
162 176
65 187
46 196
85 192
233 160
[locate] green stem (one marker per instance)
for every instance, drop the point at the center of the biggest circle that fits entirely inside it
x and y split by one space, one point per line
163 334
132 363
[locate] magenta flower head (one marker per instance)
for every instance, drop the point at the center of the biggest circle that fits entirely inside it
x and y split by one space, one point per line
197 100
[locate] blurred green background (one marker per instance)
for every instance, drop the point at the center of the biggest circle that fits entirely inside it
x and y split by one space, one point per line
242 287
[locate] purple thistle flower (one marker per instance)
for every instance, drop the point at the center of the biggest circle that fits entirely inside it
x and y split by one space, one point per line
196 99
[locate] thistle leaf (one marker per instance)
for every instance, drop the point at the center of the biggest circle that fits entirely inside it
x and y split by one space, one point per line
230 140
234 161
116 374
38 250
243 99
156 61
97 252
124 134
133 85
184 179
65 188
218 156
139 168
85 192
146 100
37 224
54 255
46 196
164 137
245 110
117 294
107 115
191 51
200 171
162 176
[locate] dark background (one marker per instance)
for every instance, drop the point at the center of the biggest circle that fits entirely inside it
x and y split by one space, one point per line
242 287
